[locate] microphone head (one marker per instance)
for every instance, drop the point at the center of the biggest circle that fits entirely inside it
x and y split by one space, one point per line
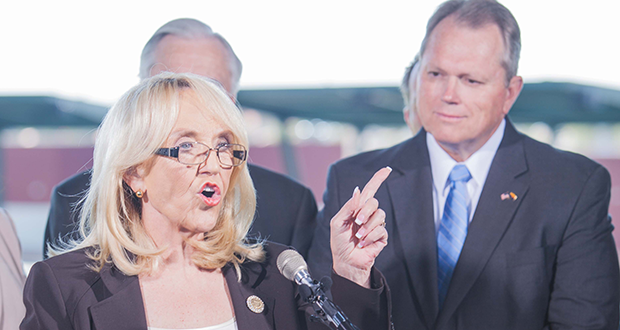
289 263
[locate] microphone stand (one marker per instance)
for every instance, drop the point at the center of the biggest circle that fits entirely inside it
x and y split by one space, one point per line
325 310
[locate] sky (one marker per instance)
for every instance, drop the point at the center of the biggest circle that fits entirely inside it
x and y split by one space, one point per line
89 51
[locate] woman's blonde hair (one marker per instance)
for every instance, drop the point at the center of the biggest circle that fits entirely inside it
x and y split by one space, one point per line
134 128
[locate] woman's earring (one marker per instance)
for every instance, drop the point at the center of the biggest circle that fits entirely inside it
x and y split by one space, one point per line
139 194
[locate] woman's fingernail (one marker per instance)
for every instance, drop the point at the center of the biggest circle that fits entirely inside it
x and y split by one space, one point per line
356 190
360 233
389 168
360 244
360 219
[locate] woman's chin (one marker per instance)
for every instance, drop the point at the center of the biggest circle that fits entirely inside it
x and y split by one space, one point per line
200 228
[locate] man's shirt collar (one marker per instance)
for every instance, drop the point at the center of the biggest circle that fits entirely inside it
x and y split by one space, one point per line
478 163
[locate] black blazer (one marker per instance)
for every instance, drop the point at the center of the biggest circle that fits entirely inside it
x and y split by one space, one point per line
62 293
285 209
546 260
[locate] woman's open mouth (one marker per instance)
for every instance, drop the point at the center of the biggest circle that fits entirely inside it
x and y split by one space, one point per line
210 194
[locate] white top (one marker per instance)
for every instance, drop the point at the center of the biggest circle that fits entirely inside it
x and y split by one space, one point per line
228 325
478 165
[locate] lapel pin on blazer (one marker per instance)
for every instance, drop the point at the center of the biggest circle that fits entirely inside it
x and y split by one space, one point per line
255 304
508 195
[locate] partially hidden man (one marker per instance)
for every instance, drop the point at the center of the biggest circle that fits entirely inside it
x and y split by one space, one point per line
490 229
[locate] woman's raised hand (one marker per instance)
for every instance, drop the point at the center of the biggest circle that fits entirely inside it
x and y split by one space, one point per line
358 232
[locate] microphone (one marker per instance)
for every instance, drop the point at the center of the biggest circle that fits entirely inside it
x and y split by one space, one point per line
294 268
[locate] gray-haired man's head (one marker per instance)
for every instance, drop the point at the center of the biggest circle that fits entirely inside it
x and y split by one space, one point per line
190 46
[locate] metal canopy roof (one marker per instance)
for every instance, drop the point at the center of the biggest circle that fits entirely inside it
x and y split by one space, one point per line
552 103
48 111
359 106
557 103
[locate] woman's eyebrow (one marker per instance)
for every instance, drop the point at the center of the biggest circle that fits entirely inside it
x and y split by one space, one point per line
184 133
189 133
226 134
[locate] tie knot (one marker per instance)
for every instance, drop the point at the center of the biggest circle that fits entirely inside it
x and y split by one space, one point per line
459 173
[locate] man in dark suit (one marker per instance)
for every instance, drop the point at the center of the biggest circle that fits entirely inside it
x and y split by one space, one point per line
489 228
285 211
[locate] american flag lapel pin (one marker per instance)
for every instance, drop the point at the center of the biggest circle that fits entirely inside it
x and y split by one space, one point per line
508 195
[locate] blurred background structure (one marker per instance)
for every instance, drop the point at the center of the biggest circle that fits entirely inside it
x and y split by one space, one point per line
319 83
297 132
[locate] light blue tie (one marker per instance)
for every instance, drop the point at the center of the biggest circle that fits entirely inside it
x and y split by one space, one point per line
452 229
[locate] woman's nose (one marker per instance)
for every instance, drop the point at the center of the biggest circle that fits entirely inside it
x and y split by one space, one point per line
211 164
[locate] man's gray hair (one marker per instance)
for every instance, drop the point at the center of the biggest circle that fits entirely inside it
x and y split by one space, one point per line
478 13
185 28
404 84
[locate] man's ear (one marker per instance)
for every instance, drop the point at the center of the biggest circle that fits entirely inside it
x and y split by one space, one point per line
512 92
406 114
412 120
134 178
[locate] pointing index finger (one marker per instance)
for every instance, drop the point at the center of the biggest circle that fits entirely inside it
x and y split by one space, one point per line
370 189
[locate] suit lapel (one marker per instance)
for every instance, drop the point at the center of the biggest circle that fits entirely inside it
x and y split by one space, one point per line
240 291
410 190
492 218
122 307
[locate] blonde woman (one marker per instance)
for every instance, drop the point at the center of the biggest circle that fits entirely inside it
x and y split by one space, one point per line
164 227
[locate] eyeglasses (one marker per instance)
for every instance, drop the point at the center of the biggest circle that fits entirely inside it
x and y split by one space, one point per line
194 153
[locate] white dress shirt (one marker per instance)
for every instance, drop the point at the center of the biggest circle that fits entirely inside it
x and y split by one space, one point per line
228 325
478 165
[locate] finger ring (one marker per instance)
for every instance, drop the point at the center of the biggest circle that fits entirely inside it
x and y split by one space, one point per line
383 224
